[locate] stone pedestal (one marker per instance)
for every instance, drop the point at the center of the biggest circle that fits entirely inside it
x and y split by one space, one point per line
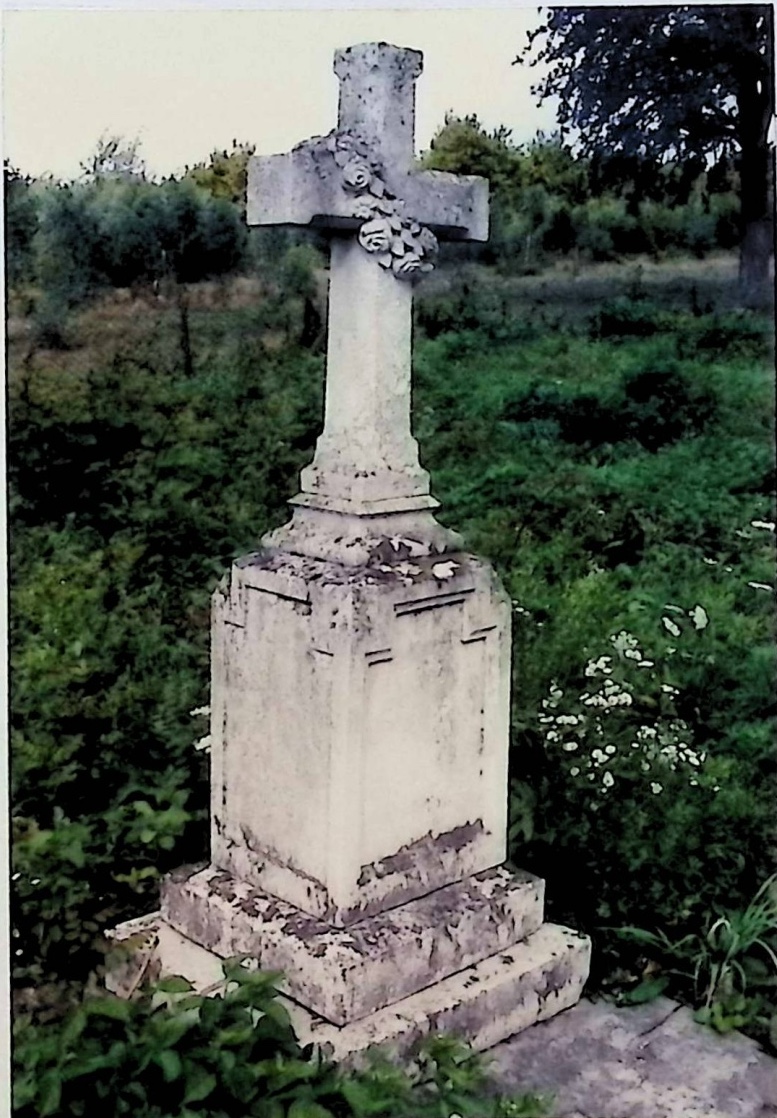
359 728
359 734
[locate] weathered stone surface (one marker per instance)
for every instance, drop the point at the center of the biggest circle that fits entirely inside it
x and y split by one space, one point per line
650 1061
482 1004
359 728
345 974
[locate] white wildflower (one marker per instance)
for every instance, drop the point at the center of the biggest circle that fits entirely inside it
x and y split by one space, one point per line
568 719
759 585
594 667
699 617
709 562
552 735
669 690
610 749
624 640
670 626
632 654
646 664
574 771
655 787
608 780
768 525
570 746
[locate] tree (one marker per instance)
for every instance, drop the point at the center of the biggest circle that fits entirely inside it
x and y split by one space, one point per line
21 222
115 158
679 83
226 174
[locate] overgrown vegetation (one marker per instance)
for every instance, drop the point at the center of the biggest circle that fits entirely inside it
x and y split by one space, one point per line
602 432
175 1054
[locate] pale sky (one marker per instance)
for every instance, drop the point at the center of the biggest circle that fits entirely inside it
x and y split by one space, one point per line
186 82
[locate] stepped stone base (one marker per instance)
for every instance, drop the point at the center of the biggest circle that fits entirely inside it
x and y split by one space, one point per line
483 1003
344 974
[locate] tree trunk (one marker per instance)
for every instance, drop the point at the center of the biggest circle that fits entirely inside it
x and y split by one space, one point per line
186 342
756 256
756 178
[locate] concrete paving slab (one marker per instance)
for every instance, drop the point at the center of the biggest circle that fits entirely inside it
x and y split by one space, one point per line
650 1061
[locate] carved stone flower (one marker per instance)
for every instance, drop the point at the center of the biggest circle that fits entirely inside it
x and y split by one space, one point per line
407 266
364 208
357 176
375 235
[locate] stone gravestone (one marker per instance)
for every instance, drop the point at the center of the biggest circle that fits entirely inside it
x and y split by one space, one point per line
361 664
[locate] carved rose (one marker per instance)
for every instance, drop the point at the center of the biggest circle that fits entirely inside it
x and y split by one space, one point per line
357 176
407 266
375 235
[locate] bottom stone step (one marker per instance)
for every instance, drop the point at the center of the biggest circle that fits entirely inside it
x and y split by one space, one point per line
482 1004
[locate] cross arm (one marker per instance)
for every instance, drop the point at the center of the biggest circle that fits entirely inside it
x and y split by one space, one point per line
300 188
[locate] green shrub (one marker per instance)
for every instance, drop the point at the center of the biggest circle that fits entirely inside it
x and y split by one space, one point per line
171 1053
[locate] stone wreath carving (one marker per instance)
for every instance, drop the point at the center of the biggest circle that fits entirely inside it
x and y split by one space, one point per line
398 242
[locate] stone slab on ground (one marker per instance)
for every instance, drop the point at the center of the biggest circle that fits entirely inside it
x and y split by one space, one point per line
650 1061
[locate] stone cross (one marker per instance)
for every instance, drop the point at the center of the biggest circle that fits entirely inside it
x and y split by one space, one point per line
384 219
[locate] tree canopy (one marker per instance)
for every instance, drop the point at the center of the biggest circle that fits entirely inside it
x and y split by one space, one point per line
679 83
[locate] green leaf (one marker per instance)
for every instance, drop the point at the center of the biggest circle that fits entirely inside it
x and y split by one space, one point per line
199 1084
116 1008
647 991
174 984
306 1108
170 1063
50 1093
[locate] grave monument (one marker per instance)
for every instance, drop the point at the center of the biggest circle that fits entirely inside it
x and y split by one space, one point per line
360 686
